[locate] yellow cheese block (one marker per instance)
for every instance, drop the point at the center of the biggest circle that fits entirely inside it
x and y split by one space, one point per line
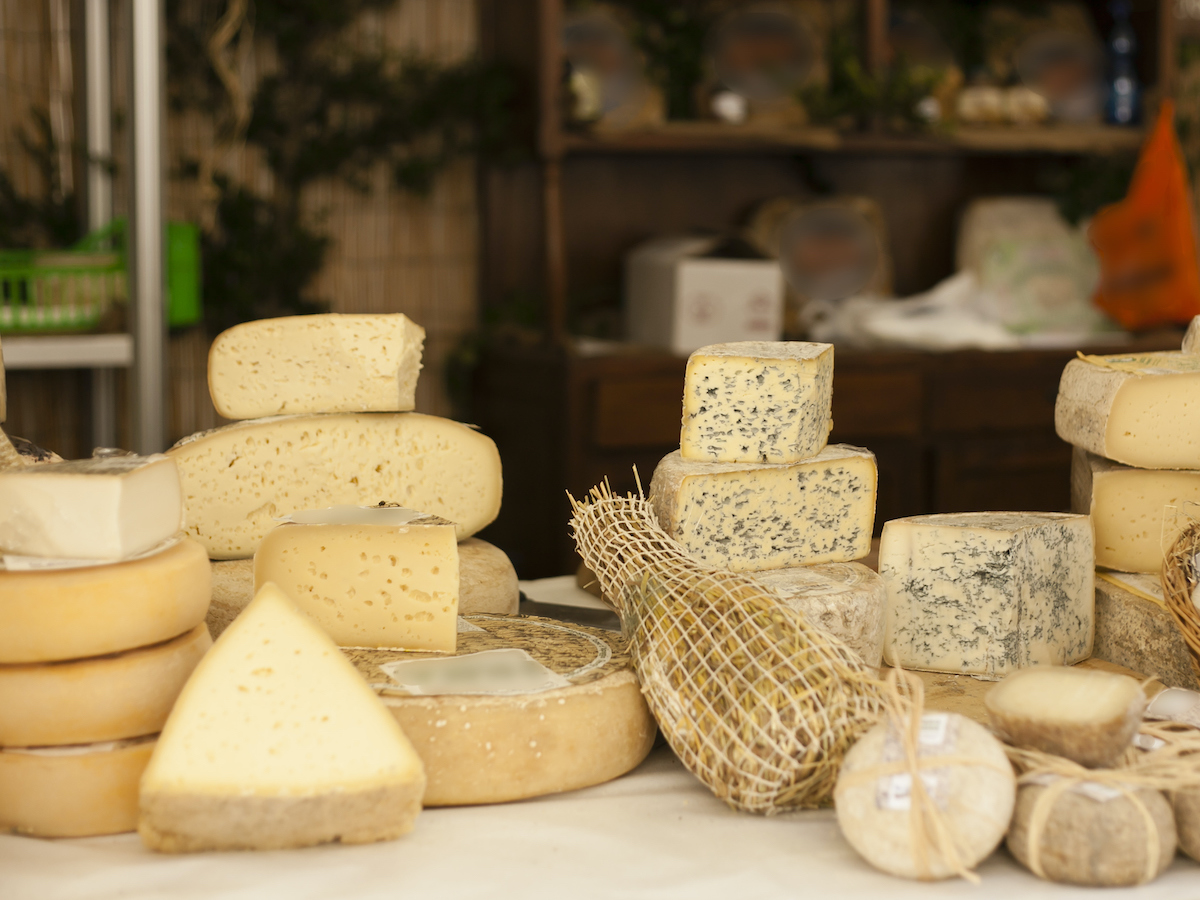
105 698
74 791
56 614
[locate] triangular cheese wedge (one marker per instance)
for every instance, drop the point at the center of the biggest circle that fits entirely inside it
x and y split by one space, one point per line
276 741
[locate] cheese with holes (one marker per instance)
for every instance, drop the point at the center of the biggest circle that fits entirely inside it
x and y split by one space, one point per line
846 599
240 479
1135 630
76 791
104 698
527 707
987 593
109 508
757 401
297 365
277 742
1191 340
1141 410
370 577
55 614
752 517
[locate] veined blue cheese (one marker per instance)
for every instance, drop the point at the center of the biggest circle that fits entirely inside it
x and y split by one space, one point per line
757 401
752 517
988 593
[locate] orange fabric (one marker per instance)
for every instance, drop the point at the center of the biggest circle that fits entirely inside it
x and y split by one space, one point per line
1146 243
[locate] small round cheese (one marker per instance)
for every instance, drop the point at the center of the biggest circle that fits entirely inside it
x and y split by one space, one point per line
1187 817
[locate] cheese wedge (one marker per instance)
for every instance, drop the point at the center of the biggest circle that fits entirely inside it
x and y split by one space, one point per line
240 479
298 365
277 742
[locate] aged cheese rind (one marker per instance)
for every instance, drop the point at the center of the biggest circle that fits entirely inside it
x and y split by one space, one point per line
1135 631
752 517
60 614
238 480
846 599
988 593
757 401
106 698
297 365
1186 805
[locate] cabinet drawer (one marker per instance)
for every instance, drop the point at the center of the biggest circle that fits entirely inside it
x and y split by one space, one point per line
884 403
1001 399
1022 472
638 412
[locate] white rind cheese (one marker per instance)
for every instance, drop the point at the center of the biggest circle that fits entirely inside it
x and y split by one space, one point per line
757 401
1191 340
753 517
240 479
299 365
987 593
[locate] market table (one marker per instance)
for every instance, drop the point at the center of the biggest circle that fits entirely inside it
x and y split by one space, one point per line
656 833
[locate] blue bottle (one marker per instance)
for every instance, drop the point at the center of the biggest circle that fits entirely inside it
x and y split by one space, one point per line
1124 92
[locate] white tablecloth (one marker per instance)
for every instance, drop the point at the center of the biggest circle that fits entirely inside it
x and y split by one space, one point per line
656 833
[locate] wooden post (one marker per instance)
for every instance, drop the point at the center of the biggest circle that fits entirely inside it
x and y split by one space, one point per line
550 146
876 36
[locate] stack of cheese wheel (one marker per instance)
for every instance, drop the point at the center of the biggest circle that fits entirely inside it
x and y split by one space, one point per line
756 488
102 606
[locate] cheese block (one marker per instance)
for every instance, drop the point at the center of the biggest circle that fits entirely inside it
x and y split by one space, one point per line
1085 715
1135 512
298 365
846 599
1191 339
109 508
370 577
527 707
77 791
277 742
757 401
104 698
55 614
1186 805
751 517
1140 410
1135 630
240 479
987 593
3 389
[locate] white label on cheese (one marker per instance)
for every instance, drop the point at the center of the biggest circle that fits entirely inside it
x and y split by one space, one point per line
465 626
13 562
1140 583
937 736
1175 705
1093 790
493 672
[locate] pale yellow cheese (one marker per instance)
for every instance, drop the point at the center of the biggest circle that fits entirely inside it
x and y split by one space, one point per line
59 614
1191 340
3 389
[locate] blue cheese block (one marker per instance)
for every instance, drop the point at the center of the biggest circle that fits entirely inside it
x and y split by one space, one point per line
752 517
757 401
987 593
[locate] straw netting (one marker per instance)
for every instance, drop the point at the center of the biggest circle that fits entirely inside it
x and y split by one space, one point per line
759 703
1179 580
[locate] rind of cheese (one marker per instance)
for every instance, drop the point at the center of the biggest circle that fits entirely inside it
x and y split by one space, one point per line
3 390
1085 715
299 365
1191 340
277 742
757 401
1135 512
106 698
846 599
1135 631
239 479
752 517
57 614
1187 819
988 593
1142 411
79 791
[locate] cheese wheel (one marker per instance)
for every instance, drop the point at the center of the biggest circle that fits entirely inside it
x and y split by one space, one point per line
530 707
105 698
55 614
1187 817
75 791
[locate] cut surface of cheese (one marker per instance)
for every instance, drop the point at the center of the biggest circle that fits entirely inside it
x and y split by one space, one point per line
846 599
1140 410
77 791
1135 512
106 698
987 593
1084 715
297 365
238 480
527 707
277 742
370 577
752 517
1135 630
757 401
56 614
108 508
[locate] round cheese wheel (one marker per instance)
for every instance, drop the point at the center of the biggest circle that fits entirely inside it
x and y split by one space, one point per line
1187 817
55 614
74 791
105 698
526 707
